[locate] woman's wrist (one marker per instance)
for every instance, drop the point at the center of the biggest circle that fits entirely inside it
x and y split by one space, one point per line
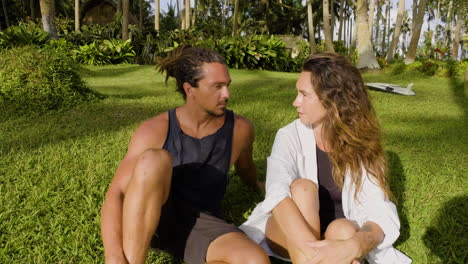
355 247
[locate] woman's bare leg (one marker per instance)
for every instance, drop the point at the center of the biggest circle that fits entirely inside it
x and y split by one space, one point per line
295 221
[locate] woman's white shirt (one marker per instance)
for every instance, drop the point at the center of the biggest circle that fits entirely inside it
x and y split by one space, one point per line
293 156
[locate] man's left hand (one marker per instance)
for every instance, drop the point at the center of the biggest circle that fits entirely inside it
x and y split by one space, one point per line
334 252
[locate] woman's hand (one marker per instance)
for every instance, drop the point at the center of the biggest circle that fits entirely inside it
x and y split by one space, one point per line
334 252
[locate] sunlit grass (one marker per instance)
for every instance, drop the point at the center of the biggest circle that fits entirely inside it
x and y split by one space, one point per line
55 168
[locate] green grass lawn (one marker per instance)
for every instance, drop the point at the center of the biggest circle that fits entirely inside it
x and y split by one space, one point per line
55 168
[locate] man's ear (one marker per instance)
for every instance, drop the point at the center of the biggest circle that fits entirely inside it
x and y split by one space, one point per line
187 88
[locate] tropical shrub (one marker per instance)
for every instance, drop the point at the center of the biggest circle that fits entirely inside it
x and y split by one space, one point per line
23 34
255 52
113 51
33 80
339 46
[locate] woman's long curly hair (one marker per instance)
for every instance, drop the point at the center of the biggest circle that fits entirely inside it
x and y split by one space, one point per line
350 127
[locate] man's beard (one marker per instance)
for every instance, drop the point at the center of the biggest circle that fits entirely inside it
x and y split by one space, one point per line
215 114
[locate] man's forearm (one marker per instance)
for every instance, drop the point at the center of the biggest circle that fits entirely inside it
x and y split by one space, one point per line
248 175
111 228
369 236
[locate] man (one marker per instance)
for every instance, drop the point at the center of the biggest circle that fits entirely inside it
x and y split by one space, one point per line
168 189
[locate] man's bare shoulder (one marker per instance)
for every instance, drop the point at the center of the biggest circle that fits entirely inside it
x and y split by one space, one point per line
244 128
243 123
151 133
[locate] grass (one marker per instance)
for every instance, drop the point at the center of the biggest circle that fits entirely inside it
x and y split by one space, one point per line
55 168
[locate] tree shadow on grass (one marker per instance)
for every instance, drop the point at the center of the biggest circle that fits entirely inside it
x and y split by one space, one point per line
82 121
458 87
109 71
447 235
398 186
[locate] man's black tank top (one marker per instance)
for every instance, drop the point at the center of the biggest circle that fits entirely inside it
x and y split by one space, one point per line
200 166
329 193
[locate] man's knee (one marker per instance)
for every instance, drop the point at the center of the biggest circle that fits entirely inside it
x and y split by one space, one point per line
251 255
341 229
153 166
303 185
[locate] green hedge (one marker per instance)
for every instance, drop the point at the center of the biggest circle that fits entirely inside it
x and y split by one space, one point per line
33 80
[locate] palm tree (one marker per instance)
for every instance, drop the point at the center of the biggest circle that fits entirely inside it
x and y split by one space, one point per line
310 23
235 18
48 17
456 40
418 12
187 14
156 14
77 15
326 26
396 32
340 26
125 11
366 55
386 26
7 23
371 15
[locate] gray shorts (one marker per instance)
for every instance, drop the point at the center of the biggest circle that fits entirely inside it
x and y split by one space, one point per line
186 233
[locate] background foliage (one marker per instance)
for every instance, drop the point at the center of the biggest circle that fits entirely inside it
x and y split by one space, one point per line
33 80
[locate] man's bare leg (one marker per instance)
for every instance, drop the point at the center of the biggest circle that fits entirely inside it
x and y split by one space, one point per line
235 248
301 213
146 193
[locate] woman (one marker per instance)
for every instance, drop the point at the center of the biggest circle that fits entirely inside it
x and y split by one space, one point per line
327 193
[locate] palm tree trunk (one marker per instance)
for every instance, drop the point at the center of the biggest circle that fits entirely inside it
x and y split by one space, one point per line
140 13
416 32
156 14
371 15
366 55
396 32
310 23
332 19
5 13
437 18
235 16
48 18
377 26
326 26
448 24
194 13
340 27
77 15
187 14
456 40
125 11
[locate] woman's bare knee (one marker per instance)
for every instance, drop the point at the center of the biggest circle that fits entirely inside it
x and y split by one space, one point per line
341 229
303 185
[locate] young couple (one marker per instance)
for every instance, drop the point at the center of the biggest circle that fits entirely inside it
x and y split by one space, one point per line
327 194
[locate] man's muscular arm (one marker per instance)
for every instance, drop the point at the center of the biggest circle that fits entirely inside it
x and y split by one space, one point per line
150 134
245 166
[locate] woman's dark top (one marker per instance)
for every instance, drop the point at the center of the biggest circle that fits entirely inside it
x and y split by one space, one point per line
329 192
200 166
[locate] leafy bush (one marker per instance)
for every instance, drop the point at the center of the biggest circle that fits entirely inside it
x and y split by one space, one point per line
23 34
428 67
397 67
60 45
339 46
112 51
33 80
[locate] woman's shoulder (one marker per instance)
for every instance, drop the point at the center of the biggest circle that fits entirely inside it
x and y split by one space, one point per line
292 128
